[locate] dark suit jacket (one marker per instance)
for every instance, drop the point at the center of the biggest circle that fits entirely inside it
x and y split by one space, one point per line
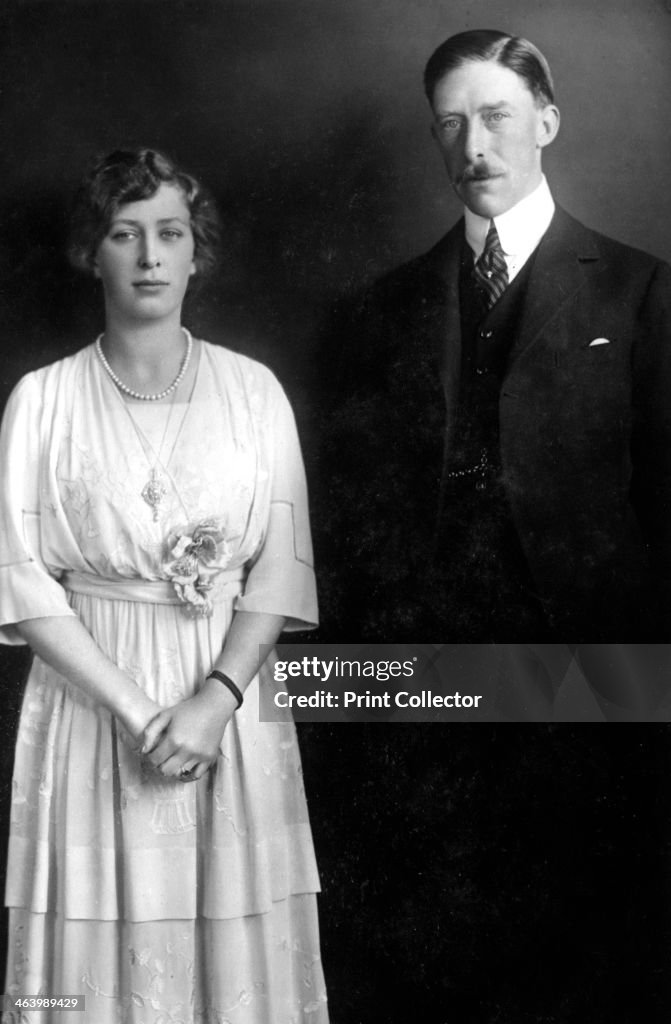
585 438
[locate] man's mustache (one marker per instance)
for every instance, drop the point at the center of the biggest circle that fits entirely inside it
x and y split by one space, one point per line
479 173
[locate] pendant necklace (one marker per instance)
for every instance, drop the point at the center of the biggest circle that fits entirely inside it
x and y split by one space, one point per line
155 489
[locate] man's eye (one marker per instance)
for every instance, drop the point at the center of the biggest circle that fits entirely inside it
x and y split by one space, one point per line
496 116
451 125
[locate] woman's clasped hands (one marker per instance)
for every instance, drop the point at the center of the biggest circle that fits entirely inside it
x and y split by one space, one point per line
183 741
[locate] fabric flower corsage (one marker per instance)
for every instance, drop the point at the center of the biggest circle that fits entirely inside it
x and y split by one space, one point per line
194 555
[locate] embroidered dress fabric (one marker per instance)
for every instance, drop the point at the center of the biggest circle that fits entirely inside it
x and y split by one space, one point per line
161 902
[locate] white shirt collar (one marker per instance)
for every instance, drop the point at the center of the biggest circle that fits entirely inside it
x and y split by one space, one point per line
520 228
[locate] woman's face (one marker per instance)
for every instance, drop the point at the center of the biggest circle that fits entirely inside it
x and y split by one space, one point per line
147 257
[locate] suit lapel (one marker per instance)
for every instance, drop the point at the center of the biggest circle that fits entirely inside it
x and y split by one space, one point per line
443 299
441 346
557 274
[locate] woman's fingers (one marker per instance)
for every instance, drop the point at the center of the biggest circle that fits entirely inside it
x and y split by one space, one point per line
172 766
180 738
164 750
186 770
191 773
153 732
174 760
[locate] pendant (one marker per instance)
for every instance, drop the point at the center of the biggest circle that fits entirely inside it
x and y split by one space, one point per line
153 492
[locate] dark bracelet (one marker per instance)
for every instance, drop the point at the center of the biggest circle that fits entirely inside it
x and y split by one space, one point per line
214 674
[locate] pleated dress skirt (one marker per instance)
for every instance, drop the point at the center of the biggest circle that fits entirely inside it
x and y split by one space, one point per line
158 901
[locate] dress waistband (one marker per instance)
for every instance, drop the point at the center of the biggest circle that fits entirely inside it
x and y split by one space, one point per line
226 584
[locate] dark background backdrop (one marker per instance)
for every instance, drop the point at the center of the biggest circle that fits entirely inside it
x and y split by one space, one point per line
308 121
485 874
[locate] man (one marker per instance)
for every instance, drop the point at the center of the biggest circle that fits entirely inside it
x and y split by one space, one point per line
502 453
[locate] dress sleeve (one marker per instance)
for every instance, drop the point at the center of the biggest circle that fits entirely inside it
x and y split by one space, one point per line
27 589
281 579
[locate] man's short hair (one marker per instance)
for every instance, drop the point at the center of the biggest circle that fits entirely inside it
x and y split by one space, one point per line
513 52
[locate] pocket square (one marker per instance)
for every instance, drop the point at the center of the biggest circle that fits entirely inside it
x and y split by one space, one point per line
598 341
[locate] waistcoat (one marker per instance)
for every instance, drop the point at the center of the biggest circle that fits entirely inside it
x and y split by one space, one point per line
487 590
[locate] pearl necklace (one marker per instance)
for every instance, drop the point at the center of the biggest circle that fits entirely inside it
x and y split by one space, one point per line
138 394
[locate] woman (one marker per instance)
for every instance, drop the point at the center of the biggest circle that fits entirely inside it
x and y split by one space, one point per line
154 535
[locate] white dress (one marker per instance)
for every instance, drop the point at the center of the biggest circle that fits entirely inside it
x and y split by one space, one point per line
161 902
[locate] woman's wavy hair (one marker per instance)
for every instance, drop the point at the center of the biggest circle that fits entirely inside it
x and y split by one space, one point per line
129 175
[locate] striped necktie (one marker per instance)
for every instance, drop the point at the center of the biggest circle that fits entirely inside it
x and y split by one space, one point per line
491 271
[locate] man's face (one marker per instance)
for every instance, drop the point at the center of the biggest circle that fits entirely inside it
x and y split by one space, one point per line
491 133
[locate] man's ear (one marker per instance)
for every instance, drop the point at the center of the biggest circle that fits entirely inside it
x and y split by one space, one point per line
548 125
